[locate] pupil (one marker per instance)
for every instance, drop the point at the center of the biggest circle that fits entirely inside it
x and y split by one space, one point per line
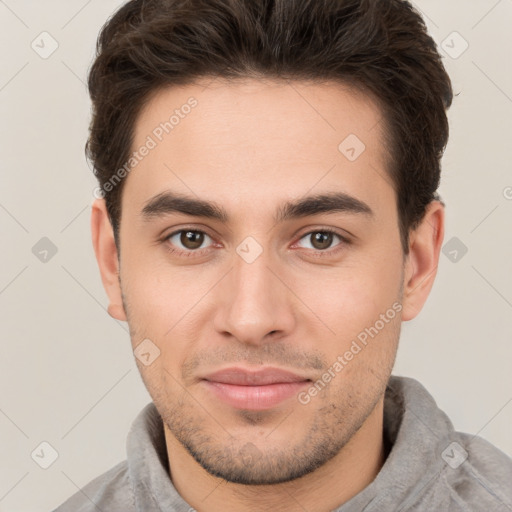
324 239
192 239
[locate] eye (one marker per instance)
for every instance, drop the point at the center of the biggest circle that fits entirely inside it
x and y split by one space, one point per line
321 240
190 239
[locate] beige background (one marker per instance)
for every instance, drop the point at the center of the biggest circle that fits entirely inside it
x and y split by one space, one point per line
67 374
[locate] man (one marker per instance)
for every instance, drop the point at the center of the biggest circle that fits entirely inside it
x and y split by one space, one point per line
266 218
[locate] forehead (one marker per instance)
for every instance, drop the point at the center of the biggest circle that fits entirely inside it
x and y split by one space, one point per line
261 138
262 107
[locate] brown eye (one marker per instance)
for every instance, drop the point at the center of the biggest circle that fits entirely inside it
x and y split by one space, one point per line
187 239
192 239
321 240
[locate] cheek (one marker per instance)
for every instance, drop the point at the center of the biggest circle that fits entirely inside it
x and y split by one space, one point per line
156 291
366 318
164 305
352 297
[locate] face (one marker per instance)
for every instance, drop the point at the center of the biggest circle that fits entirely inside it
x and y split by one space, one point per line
260 260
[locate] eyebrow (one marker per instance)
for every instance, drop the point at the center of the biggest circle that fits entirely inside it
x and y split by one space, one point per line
332 202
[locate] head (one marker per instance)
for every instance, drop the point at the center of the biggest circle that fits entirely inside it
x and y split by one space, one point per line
267 180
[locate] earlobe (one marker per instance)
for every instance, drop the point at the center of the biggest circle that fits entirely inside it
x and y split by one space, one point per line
422 261
116 311
106 255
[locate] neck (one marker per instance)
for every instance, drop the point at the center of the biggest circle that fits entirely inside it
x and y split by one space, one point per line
327 488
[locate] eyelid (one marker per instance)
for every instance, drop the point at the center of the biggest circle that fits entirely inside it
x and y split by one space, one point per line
343 234
198 229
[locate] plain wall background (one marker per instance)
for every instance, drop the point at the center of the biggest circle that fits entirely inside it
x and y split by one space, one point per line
67 373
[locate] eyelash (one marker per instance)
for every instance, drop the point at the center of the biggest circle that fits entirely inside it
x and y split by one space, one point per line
318 253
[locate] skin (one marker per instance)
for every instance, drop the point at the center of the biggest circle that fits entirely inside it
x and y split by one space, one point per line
250 146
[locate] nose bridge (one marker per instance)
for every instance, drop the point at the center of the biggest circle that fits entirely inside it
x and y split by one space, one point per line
254 303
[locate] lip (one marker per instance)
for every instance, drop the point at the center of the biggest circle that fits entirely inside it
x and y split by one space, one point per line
254 390
242 377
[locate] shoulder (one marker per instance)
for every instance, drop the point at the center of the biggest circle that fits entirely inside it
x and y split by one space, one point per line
110 491
478 474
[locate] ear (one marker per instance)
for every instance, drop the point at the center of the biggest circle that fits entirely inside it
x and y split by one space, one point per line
421 263
106 255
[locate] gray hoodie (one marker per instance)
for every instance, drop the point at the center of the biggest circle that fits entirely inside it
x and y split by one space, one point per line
430 466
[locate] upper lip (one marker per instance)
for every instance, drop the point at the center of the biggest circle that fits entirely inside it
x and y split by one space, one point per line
262 377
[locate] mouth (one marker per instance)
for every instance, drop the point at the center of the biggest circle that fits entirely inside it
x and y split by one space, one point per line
254 390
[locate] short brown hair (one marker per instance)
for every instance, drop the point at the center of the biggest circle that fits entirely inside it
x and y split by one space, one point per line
379 46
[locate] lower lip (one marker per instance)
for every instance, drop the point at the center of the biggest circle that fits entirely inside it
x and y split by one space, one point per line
256 398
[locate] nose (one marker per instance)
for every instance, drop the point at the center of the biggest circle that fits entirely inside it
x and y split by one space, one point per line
254 304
